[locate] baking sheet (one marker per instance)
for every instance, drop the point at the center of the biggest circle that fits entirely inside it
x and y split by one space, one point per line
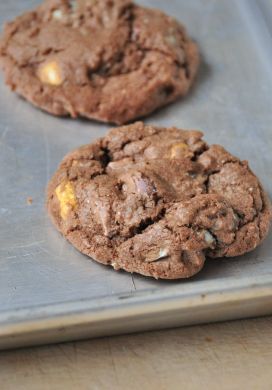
48 291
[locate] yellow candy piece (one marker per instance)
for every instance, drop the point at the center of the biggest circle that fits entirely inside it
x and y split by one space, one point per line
50 73
178 150
67 199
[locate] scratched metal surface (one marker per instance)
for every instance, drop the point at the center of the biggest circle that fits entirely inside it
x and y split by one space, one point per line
41 275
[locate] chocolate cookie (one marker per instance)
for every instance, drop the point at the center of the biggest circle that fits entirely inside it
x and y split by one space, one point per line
109 60
157 201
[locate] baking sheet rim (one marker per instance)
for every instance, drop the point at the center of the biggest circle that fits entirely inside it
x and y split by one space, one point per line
16 330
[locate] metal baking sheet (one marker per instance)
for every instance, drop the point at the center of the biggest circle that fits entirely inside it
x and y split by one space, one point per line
48 291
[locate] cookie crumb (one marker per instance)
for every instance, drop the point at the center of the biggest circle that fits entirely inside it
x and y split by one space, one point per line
208 339
29 200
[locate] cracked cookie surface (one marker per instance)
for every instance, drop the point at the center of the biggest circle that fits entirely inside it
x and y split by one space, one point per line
109 60
157 201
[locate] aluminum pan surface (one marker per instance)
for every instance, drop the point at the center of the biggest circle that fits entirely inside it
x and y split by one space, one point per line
231 103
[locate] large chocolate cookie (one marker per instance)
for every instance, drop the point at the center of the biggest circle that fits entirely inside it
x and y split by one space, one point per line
157 201
109 60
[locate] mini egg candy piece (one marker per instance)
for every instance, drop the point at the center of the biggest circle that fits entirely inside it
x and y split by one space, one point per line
67 199
51 73
178 150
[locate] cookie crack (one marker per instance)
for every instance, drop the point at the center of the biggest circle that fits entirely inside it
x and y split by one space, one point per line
106 158
133 39
264 206
241 216
255 219
196 158
145 223
128 142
